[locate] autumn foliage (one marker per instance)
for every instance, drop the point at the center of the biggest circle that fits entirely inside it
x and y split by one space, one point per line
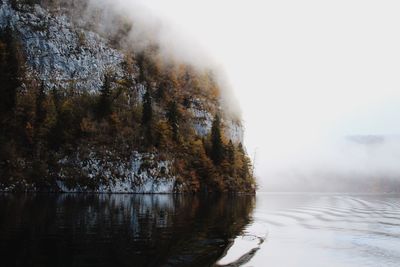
151 113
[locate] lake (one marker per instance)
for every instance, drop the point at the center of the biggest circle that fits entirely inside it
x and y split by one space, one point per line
166 230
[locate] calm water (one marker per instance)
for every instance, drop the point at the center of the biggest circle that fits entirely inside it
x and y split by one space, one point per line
118 230
164 230
322 230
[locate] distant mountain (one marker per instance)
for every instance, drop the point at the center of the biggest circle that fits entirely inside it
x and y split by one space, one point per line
357 163
367 139
84 111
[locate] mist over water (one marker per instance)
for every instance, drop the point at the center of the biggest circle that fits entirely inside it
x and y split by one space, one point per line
306 76
348 164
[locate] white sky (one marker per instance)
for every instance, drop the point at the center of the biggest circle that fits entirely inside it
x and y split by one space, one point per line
302 70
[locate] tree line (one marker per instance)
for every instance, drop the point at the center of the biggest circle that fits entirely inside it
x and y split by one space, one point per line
40 125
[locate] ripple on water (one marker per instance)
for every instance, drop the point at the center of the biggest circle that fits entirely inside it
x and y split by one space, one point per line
320 230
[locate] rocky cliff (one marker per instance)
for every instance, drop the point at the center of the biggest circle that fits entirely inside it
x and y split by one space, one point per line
142 124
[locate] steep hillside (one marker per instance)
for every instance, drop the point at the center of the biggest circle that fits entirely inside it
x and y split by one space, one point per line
83 111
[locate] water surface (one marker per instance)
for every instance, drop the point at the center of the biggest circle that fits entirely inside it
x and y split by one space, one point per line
321 230
165 230
118 230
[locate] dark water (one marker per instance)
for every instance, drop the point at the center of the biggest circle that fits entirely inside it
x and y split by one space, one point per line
118 230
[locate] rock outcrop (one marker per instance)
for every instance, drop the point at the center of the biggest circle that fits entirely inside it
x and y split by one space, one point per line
62 53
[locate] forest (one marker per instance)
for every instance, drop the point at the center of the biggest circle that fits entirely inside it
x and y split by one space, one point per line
41 125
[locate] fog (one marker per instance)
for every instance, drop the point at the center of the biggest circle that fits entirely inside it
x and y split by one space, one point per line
307 75
354 163
151 26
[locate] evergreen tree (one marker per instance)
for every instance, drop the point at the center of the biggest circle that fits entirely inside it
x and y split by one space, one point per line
9 71
173 116
40 106
104 106
140 61
40 116
217 147
241 149
160 93
230 151
244 170
147 118
147 113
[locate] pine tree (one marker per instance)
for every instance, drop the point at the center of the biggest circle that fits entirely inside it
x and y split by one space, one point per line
147 113
231 153
217 147
173 116
244 170
161 94
104 106
140 58
40 116
147 118
9 72
40 108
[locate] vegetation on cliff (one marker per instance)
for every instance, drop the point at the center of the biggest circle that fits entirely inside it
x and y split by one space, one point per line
148 110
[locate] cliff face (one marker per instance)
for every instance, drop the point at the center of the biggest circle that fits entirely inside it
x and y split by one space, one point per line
136 116
59 53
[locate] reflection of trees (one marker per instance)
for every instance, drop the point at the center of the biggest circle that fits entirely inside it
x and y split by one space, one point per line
119 230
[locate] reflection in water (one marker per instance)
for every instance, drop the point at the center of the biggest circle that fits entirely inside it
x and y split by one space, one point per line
163 230
119 230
